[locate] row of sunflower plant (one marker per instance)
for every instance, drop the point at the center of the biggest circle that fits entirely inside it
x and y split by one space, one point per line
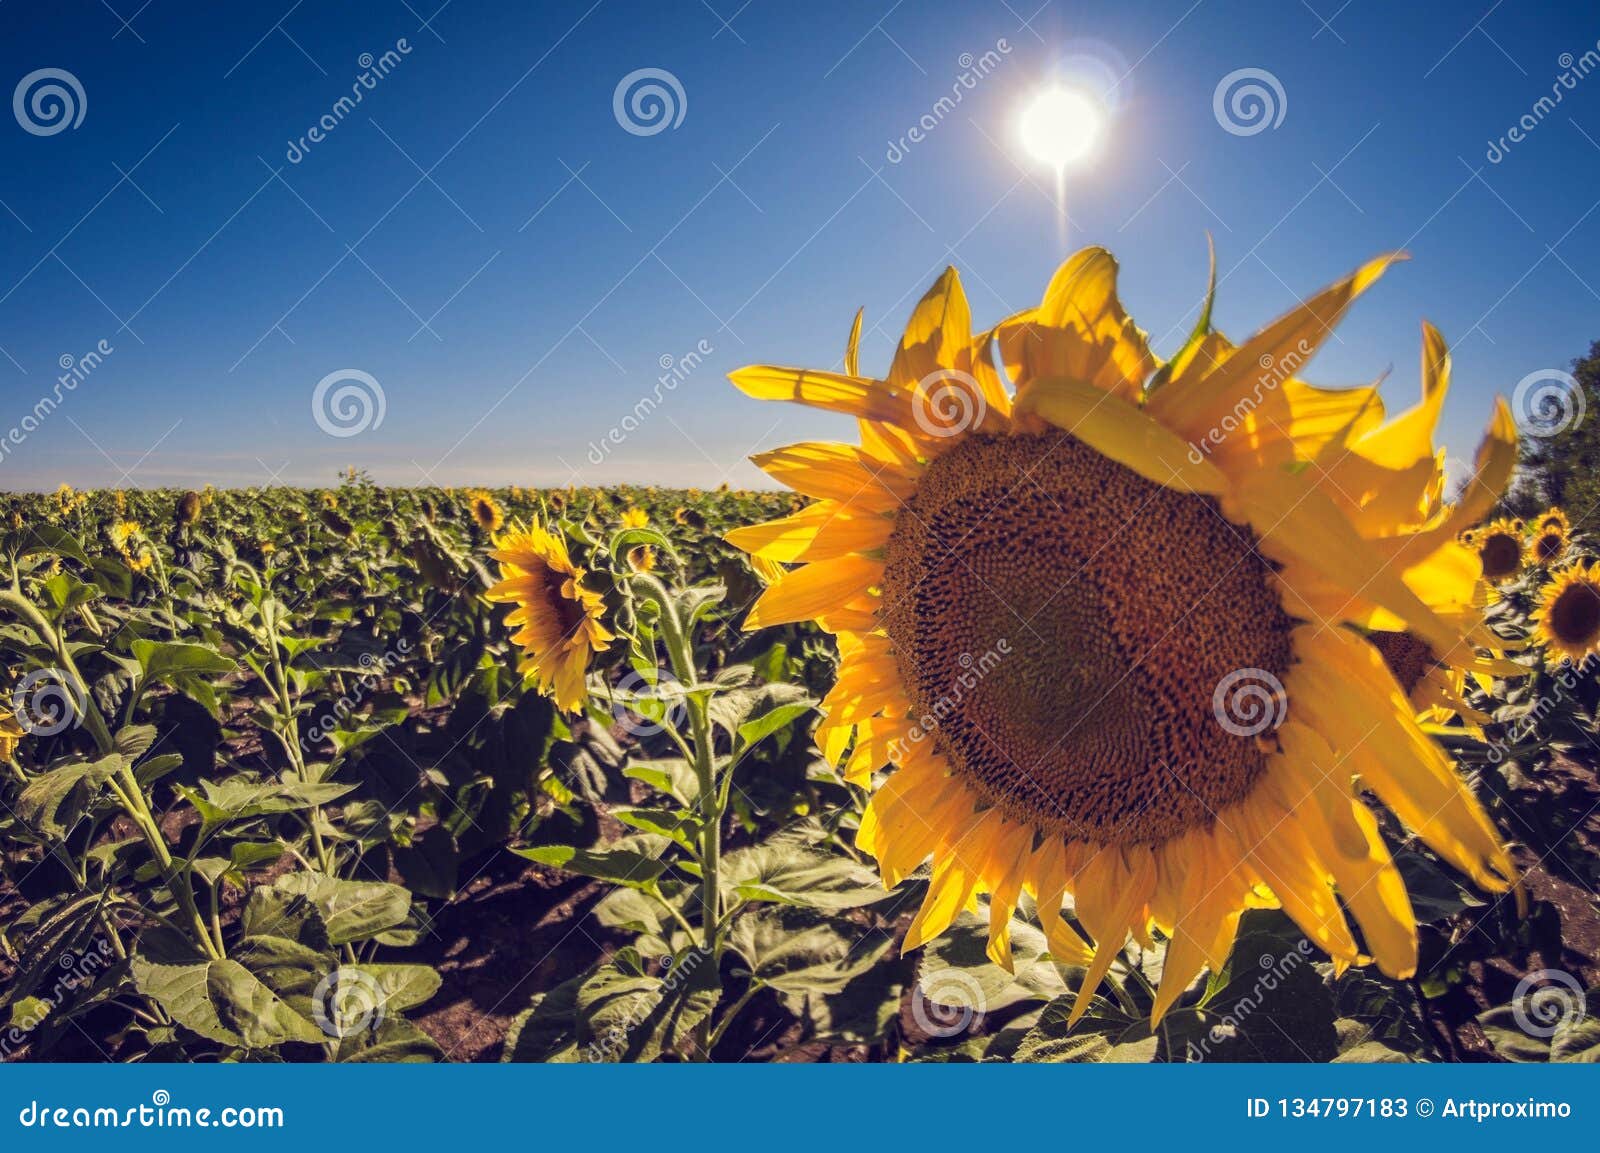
1095 706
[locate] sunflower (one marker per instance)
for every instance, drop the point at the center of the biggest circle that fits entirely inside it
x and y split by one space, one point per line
1568 615
485 511
124 533
1554 517
1549 538
642 558
635 518
1107 630
141 560
11 734
560 621
1500 550
188 510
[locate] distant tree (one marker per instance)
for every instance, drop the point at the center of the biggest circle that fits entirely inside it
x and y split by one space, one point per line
1564 468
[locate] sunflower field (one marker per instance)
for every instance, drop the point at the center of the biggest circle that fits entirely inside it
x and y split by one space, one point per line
1090 705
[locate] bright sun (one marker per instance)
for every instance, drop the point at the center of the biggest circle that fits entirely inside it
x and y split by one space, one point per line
1061 126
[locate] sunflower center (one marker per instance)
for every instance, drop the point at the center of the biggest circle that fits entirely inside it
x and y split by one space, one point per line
1409 657
1574 618
1093 653
1501 555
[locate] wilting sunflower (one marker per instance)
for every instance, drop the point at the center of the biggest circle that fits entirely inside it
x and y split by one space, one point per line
1499 545
559 622
1108 629
188 510
635 518
1568 615
486 511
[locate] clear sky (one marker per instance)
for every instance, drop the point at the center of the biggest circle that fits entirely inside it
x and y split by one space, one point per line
485 239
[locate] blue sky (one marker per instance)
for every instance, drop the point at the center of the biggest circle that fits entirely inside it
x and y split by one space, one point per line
485 240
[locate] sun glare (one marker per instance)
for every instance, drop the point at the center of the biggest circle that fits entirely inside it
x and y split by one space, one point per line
1061 126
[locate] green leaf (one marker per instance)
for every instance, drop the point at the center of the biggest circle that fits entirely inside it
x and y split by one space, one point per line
753 732
546 1031
350 910
620 866
803 951
964 947
795 874
161 660
52 803
238 798
628 1017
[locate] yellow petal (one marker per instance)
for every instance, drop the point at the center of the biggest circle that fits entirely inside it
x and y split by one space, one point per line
1119 430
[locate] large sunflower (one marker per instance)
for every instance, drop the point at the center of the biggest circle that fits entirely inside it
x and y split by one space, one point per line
1568 615
559 622
1109 628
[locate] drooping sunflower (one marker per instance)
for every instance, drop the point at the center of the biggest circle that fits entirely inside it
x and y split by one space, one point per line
559 622
486 511
1108 628
1567 619
1500 550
